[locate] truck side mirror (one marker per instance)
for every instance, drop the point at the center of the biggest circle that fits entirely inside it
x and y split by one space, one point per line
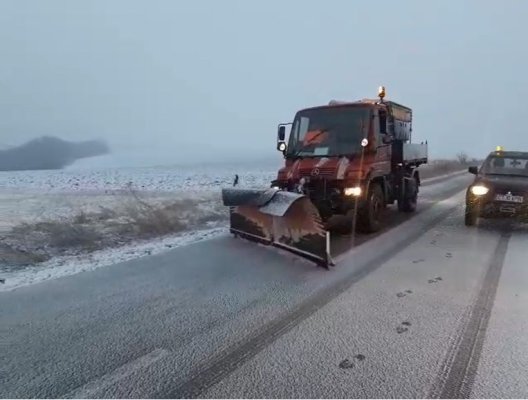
281 135
473 170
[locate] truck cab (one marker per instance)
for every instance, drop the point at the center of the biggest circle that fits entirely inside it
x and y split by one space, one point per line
352 159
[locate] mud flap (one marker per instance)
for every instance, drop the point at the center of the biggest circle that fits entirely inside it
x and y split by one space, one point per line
282 219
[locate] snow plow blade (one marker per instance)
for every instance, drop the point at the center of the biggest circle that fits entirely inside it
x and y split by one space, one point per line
282 219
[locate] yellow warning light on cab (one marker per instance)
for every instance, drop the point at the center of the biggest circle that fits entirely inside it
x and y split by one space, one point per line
381 92
499 148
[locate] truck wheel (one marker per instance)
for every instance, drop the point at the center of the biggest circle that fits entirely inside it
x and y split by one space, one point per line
409 201
470 217
370 217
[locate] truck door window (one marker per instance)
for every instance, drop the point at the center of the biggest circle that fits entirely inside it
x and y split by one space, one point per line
303 128
382 121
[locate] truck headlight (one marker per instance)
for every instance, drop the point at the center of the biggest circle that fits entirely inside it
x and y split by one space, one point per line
479 190
353 191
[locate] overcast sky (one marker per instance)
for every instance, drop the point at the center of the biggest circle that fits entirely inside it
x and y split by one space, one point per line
167 82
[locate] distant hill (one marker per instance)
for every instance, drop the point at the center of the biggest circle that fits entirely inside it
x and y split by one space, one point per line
49 153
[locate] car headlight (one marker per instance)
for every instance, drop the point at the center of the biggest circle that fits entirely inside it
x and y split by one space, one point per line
479 190
353 191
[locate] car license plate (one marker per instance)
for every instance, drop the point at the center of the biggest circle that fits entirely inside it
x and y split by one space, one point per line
509 198
508 209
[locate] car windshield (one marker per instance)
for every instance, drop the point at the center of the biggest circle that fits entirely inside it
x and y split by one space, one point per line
328 131
506 165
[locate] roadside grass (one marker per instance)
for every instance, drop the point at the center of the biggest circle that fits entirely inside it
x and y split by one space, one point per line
135 219
85 232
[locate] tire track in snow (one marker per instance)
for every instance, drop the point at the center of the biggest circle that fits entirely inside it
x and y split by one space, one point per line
462 361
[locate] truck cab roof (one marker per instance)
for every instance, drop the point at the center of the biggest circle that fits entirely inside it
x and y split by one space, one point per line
359 103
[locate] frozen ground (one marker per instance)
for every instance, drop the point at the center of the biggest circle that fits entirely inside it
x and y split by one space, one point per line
69 265
32 197
60 197
26 196
159 179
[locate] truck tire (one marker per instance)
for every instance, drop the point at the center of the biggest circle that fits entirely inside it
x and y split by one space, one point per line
408 201
370 217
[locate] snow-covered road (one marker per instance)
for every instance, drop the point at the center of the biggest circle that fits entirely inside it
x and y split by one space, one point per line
427 308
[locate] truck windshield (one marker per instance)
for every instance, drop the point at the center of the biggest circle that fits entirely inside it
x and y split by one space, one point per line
506 166
328 131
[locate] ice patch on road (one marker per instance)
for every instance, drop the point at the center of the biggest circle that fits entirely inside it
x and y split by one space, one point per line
71 265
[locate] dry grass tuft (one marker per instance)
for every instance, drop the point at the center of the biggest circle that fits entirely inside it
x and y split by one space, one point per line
85 232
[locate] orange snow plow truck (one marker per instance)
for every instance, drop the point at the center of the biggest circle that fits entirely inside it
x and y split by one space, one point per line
344 163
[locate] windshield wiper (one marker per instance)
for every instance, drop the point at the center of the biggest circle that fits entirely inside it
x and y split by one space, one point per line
304 146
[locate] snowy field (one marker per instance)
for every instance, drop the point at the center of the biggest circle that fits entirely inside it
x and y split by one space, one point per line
159 179
31 197
46 210
26 196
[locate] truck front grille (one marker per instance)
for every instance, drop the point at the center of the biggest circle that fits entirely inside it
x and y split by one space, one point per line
322 172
